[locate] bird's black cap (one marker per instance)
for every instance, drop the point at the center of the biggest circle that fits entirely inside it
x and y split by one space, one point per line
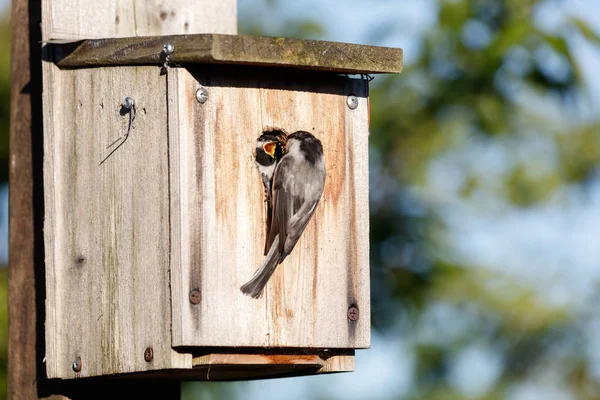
310 146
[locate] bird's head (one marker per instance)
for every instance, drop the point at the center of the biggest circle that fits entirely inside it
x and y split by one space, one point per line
271 146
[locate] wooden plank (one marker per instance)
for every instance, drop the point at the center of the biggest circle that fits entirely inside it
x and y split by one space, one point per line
217 366
220 214
232 49
107 225
26 266
258 359
82 19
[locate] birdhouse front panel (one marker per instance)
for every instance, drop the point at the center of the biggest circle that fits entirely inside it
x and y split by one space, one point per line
318 296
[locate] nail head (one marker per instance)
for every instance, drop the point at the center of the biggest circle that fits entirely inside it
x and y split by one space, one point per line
77 364
148 354
352 102
128 102
353 313
202 95
195 296
168 48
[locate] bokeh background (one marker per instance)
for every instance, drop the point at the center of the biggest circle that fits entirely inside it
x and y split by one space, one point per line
485 199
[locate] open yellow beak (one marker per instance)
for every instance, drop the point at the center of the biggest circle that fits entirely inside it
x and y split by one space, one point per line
269 148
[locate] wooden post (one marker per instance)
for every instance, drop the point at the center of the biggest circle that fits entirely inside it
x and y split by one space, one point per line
26 267
60 20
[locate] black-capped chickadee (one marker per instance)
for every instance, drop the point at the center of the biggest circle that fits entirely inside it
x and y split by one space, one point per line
298 182
270 147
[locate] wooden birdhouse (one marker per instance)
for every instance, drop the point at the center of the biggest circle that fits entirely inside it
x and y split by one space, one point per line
155 210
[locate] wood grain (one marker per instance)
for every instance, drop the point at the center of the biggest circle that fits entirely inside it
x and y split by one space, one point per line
217 208
83 19
231 49
26 379
217 366
107 226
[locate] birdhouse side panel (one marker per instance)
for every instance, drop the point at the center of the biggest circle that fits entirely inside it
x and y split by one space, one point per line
318 296
106 187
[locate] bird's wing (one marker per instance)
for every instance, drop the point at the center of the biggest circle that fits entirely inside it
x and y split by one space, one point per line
291 212
297 224
283 202
269 212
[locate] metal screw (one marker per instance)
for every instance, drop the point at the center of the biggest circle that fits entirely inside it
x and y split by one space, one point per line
195 296
352 102
168 49
128 102
353 313
148 354
77 364
202 95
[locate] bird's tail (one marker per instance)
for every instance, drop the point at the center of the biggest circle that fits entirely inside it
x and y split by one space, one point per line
254 287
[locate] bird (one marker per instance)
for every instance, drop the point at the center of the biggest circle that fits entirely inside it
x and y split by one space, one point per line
298 184
270 147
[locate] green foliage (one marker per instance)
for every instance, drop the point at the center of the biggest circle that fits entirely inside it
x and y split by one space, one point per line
208 391
468 85
486 73
586 31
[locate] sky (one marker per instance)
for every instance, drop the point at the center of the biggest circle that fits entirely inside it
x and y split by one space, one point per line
567 224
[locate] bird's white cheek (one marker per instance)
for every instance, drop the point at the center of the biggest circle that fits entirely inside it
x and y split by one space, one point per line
269 170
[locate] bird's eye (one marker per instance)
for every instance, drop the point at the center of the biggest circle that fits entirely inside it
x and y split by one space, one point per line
269 148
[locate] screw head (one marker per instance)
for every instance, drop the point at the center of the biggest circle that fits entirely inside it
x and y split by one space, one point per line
128 102
148 354
352 102
195 296
168 49
353 313
77 364
202 95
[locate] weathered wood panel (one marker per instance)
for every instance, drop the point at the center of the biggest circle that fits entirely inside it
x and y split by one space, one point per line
107 226
26 263
218 366
218 213
83 19
113 304
232 49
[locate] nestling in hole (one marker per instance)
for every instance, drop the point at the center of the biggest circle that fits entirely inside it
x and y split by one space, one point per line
270 147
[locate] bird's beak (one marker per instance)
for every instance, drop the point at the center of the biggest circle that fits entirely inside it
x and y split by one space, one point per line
269 148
